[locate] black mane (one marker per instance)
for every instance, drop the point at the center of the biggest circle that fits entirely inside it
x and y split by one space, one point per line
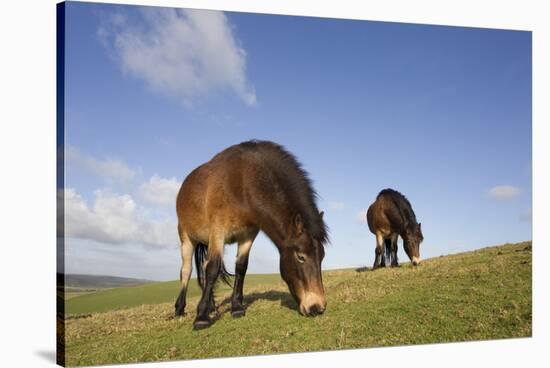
401 202
295 182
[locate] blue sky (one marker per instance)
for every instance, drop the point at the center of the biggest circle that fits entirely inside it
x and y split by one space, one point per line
442 114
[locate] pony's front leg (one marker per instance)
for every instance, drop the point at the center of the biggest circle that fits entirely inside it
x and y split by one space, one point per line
237 308
214 261
393 256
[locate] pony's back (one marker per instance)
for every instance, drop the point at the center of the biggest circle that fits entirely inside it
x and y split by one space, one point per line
401 203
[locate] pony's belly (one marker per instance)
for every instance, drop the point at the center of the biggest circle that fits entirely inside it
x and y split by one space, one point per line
230 234
240 234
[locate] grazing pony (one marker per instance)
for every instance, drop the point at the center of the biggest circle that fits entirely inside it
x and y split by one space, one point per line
248 187
390 216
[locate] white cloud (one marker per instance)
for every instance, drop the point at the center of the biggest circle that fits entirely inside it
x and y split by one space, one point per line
180 53
335 205
160 190
108 168
361 216
504 192
114 219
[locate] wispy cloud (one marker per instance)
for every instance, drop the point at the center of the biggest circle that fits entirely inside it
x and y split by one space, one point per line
113 219
504 192
160 190
185 54
112 169
335 205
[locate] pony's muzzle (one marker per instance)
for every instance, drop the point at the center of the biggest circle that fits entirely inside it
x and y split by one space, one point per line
415 261
315 310
313 305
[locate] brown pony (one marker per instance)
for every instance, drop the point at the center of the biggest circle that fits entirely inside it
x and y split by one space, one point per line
248 187
390 216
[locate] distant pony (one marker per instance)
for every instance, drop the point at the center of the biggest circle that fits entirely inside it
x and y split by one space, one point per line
390 216
248 187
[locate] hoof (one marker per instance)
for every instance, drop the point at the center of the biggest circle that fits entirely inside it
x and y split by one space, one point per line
180 314
238 313
200 324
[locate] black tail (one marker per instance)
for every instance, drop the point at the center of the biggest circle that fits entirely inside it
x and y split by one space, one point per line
387 243
226 275
201 252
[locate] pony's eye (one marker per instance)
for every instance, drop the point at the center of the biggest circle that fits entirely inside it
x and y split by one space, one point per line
300 258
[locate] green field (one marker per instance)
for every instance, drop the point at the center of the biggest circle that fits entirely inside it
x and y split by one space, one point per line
154 293
485 294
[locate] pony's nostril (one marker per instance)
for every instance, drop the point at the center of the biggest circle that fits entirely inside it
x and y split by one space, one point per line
315 310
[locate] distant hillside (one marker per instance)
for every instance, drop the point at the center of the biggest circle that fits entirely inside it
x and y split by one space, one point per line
79 281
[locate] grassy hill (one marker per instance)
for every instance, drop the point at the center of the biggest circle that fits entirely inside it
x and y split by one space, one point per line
79 284
153 293
94 282
485 294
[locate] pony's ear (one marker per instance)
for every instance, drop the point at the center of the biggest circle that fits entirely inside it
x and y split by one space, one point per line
321 214
298 224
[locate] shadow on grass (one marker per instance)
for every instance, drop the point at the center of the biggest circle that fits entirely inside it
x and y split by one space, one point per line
365 268
285 299
224 306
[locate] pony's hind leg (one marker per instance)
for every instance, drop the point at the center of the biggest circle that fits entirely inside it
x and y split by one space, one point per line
386 257
213 266
185 272
237 308
379 259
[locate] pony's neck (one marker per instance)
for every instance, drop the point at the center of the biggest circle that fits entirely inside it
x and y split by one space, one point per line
410 225
276 230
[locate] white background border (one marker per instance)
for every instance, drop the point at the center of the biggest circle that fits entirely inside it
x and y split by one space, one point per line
27 191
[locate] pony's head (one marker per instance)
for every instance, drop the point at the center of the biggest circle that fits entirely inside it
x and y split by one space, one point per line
411 242
300 267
